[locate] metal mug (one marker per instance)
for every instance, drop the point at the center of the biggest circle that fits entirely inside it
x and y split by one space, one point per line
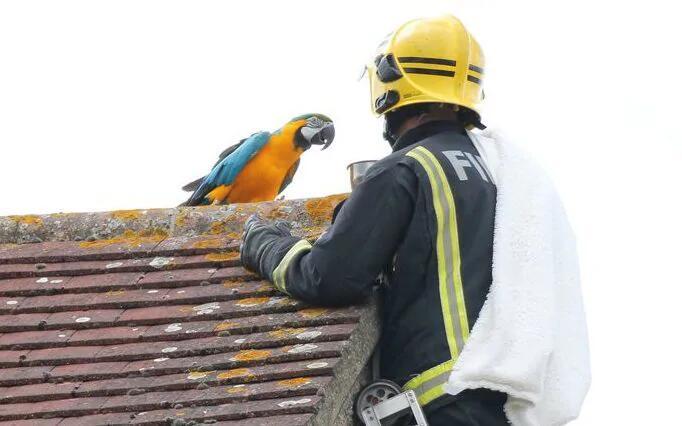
358 170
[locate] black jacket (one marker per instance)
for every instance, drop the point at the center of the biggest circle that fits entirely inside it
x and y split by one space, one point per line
423 219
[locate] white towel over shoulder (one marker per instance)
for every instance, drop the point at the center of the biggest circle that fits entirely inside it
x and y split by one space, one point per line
530 339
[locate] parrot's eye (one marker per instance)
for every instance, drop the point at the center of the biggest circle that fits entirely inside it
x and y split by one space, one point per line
314 122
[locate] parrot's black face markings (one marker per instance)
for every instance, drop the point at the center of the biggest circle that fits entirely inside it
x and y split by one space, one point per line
318 130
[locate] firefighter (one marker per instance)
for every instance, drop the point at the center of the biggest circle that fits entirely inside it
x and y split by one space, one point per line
422 219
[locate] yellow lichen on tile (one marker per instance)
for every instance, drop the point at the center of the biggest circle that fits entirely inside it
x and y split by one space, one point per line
265 287
252 301
232 283
217 228
225 325
237 372
194 375
313 312
126 215
286 332
112 293
321 209
181 218
251 355
294 383
236 389
130 238
29 219
212 242
221 257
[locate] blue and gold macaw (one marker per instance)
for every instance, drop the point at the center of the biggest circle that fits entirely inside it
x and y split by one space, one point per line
259 167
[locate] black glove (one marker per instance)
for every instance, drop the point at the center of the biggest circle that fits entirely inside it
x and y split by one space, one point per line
265 245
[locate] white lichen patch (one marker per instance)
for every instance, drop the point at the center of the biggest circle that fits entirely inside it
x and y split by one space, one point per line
317 364
82 319
161 359
287 404
169 349
240 341
297 349
56 281
114 265
206 308
11 302
212 271
42 280
307 335
275 300
173 328
152 291
160 262
195 375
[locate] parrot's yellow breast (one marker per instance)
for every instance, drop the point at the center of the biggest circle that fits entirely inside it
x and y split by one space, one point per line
262 177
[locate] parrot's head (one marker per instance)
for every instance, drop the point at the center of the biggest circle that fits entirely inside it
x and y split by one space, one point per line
312 129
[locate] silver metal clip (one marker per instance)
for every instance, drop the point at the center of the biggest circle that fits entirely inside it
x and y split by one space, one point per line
392 407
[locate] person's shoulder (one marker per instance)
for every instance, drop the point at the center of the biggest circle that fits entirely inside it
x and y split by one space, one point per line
389 166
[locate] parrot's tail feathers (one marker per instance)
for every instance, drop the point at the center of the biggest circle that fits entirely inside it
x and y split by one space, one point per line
219 194
192 186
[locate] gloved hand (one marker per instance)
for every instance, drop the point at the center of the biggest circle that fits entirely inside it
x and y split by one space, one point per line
264 245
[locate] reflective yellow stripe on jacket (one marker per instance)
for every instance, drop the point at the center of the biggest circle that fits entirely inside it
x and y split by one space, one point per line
429 385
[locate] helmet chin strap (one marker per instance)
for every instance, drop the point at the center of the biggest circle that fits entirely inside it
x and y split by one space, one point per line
388 134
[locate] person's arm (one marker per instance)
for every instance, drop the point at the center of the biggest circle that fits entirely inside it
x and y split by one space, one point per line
341 267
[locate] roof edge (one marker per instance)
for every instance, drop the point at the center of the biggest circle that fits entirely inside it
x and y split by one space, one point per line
309 217
352 373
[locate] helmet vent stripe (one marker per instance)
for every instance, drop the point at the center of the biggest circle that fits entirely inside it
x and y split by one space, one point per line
476 69
427 71
420 60
473 79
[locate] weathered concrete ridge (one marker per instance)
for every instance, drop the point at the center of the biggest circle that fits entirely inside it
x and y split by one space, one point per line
309 217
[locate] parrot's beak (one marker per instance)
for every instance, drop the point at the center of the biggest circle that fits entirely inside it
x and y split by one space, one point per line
319 135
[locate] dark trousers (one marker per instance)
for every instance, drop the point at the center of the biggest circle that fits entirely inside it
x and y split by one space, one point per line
476 407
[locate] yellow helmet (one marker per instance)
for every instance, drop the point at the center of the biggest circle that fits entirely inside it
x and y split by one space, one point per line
427 60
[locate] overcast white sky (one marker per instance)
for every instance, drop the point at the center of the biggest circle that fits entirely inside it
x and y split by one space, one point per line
115 104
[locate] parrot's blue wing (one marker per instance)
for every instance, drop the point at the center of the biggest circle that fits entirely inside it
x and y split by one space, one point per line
230 166
192 186
227 169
